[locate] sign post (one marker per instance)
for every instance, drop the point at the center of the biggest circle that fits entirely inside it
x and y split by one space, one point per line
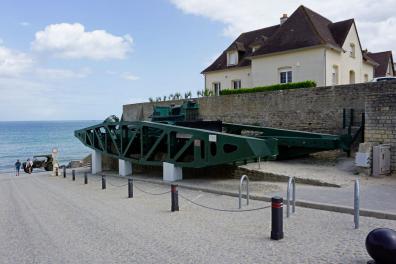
55 164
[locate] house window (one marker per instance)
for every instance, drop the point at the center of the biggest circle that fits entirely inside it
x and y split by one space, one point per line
236 84
352 52
286 76
232 58
366 78
351 77
334 75
216 88
254 48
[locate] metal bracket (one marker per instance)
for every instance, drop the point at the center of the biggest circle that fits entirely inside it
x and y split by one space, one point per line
243 178
356 204
291 186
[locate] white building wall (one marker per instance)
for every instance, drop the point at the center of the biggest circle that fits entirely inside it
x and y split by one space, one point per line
307 64
227 76
346 63
389 70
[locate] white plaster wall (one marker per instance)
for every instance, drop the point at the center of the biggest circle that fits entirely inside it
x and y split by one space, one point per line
307 64
346 63
389 70
225 78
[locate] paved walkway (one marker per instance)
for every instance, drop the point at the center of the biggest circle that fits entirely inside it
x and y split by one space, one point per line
339 171
54 220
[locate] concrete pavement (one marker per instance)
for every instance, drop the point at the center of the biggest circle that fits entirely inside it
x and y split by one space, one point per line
54 220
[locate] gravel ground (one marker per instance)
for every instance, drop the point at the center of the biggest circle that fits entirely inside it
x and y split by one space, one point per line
341 171
54 220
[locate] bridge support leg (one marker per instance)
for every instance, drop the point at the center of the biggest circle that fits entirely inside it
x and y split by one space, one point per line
124 167
96 162
171 172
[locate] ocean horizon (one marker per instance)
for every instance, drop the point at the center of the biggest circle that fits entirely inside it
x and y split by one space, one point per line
24 139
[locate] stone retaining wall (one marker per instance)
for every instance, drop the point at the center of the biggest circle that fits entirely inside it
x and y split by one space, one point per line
381 121
312 109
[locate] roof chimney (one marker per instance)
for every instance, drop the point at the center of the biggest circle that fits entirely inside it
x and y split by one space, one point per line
283 19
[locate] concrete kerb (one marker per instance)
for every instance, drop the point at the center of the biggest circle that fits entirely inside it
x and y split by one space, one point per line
300 203
272 177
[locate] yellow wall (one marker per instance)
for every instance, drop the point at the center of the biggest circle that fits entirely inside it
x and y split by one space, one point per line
306 64
346 63
225 78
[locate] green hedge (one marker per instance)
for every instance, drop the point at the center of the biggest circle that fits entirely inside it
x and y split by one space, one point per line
275 87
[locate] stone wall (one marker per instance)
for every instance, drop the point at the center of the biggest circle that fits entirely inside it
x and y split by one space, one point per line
381 121
312 109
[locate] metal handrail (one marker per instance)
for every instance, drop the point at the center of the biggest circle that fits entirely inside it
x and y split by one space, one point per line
291 185
243 178
356 204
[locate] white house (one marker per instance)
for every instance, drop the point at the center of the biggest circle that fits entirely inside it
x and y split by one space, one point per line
386 66
304 46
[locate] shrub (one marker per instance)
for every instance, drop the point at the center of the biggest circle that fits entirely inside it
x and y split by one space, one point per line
275 87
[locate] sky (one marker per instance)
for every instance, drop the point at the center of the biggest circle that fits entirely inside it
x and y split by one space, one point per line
83 60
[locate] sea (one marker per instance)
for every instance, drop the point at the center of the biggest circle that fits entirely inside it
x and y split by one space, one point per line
24 139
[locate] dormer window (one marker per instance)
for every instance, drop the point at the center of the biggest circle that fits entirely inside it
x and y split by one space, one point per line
232 58
352 51
254 48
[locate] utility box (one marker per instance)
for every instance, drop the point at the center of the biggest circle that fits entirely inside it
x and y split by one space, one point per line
363 159
381 160
364 156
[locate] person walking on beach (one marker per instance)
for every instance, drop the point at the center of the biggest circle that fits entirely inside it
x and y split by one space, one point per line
17 167
29 165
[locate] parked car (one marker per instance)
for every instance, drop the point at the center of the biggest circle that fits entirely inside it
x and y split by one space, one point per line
384 79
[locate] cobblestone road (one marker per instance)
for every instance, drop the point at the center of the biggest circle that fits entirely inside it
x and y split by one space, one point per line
54 220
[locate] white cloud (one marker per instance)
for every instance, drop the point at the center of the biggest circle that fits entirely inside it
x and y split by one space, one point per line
13 63
24 24
376 20
129 76
72 41
49 73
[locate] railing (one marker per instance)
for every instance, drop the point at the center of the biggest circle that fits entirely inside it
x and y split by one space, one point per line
243 178
291 186
356 204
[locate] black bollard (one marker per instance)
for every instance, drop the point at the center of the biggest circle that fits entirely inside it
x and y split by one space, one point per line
73 175
56 171
64 172
174 198
103 182
277 218
130 188
85 178
381 245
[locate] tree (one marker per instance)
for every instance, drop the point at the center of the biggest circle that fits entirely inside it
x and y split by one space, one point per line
188 95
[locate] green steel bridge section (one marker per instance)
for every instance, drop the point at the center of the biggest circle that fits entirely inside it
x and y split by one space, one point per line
152 143
177 135
293 143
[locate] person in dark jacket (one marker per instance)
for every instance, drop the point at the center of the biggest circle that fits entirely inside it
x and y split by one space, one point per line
17 167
